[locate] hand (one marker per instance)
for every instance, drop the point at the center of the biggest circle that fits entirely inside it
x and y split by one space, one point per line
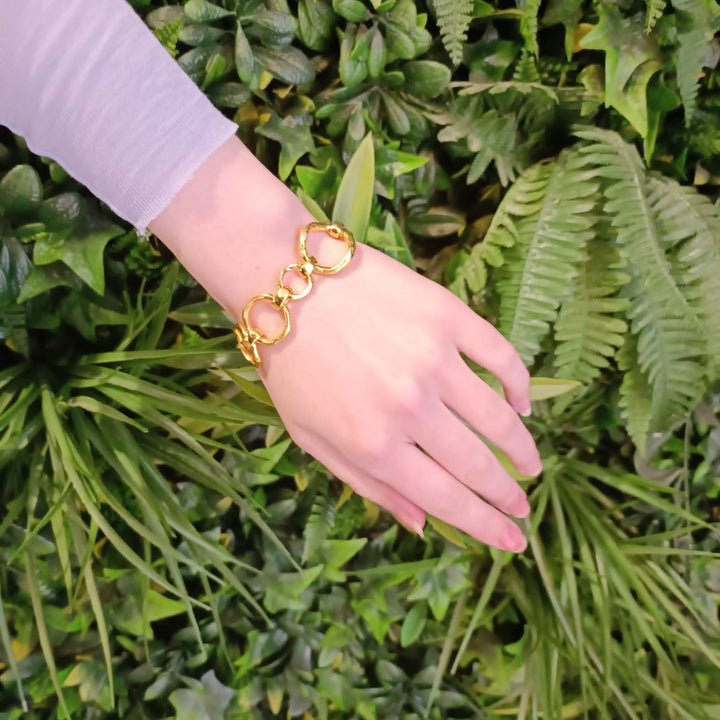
370 379
371 383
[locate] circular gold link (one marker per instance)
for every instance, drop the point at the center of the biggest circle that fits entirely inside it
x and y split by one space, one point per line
303 273
334 230
260 336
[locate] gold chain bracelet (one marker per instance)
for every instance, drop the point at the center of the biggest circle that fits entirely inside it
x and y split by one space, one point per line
249 336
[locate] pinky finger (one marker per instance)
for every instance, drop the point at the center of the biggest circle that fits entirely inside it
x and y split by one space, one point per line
406 512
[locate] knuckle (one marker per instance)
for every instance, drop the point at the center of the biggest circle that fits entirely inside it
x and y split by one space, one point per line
372 446
409 395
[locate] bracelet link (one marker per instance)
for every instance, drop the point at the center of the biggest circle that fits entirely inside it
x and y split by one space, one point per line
248 336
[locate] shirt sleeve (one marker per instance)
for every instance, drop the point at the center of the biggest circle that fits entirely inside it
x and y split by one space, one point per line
86 83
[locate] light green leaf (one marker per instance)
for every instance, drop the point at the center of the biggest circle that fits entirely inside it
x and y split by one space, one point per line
413 624
354 198
203 11
205 700
546 388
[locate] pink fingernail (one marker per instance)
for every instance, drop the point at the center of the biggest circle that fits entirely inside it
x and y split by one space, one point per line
418 530
521 507
527 412
514 540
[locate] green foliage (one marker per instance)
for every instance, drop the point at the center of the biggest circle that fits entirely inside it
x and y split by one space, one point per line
165 551
632 57
696 22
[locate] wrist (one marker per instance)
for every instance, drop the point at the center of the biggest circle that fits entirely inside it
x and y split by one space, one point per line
233 226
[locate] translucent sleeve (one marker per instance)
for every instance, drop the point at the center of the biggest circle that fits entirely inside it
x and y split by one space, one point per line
86 83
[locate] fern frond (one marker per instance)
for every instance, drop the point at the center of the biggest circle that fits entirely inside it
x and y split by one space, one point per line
654 11
690 229
526 70
664 313
635 396
453 19
169 34
319 524
696 20
471 274
549 212
588 331
529 23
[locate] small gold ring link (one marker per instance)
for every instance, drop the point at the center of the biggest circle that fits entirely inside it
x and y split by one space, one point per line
248 336
303 273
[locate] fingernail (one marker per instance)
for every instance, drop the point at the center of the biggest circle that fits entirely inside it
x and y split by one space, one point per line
521 508
514 540
527 412
418 530
536 469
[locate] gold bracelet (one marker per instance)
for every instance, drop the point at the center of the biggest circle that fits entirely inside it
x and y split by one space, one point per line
249 336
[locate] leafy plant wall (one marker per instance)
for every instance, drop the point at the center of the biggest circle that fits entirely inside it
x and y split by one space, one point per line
167 553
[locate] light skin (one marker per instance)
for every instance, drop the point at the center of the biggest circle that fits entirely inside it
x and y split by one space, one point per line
370 380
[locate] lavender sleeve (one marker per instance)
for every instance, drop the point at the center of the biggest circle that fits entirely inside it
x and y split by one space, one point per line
86 83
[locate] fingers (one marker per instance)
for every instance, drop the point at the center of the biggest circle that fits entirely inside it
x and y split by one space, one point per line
432 488
482 408
483 344
405 511
463 455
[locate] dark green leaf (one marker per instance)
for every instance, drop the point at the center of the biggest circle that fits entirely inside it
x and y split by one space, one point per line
287 64
15 267
20 190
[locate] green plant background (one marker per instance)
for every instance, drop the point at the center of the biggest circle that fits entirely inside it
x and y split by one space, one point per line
166 552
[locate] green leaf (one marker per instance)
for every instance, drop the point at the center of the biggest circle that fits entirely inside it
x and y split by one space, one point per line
244 58
354 198
316 21
413 624
391 241
134 615
82 250
229 94
203 11
435 223
293 134
272 27
20 190
205 700
377 56
60 211
287 64
425 78
352 10
632 57
45 278
546 388
15 267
